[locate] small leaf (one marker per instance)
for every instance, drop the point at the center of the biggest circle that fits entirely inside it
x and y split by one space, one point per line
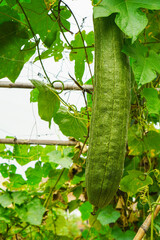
73 205
6 199
134 181
34 95
19 197
16 180
79 53
135 142
4 215
85 209
119 235
63 161
34 175
152 141
108 215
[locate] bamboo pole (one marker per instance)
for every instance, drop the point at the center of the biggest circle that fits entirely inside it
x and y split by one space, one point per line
145 226
57 85
37 142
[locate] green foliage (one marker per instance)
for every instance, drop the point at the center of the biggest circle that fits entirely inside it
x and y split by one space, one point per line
145 63
134 181
130 18
37 204
81 55
108 215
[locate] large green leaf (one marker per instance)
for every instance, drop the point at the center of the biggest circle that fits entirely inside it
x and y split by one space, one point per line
13 56
108 215
32 212
70 124
134 181
48 101
130 18
43 23
145 64
153 100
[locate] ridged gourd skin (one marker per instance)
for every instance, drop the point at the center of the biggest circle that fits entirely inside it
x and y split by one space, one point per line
110 114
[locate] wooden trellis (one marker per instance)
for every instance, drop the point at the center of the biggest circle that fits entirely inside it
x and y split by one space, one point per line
57 86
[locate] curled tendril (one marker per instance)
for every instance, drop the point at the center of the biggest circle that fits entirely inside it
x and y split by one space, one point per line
59 82
72 107
157 175
143 195
95 5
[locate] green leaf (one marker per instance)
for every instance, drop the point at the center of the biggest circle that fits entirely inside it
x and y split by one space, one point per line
16 180
48 102
80 177
13 37
108 215
85 209
134 181
56 174
55 50
56 157
5 199
34 175
145 64
19 197
32 212
4 214
73 205
44 23
2 147
34 95
77 191
3 227
130 18
153 100
4 170
152 142
119 235
135 142
79 55
71 125
26 153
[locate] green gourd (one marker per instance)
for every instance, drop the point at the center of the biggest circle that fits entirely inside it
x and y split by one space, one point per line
110 114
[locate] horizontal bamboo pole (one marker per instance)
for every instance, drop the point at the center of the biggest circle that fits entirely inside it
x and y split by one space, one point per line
57 85
37 142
